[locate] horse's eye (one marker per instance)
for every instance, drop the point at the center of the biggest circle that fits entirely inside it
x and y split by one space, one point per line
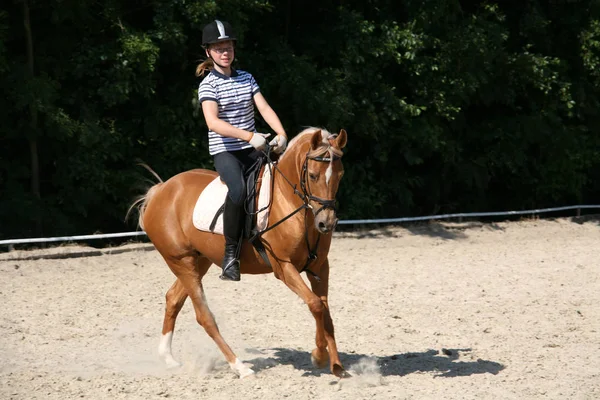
313 177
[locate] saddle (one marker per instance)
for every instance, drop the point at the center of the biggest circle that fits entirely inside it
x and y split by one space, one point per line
208 211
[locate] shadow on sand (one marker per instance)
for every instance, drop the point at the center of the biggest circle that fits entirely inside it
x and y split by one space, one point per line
61 254
445 364
435 229
448 229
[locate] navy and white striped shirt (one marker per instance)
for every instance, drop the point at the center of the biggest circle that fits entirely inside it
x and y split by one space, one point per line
234 96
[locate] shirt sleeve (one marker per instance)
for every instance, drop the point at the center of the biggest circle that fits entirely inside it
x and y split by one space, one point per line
254 85
206 91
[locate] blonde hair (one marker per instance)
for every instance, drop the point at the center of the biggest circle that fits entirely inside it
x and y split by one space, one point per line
207 65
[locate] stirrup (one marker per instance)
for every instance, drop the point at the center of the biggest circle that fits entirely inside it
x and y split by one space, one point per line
231 272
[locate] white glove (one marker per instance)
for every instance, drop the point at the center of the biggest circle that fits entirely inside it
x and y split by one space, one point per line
259 140
278 144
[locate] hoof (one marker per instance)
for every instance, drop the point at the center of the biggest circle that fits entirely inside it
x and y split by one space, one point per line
340 372
242 370
319 359
247 374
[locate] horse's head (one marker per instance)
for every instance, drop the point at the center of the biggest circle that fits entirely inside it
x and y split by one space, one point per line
322 171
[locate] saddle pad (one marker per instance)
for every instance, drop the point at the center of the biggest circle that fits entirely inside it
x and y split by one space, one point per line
213 197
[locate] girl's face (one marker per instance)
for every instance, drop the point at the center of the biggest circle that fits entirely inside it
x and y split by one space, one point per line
222 53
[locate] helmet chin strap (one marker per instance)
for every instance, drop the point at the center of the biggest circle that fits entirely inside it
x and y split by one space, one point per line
216 63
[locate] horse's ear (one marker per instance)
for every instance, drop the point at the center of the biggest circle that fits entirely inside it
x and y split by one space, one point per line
316 140
342 139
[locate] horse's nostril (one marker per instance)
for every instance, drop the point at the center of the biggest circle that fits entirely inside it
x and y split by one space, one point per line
322 226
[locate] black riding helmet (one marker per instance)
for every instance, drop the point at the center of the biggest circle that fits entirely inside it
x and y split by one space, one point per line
217 31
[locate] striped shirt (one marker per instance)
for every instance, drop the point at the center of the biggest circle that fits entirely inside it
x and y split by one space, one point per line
234 97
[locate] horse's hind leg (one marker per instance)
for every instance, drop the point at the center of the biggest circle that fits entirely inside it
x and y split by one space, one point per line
206 318
189 271
175 299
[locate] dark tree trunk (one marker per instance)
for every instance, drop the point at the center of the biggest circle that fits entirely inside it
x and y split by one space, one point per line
32 135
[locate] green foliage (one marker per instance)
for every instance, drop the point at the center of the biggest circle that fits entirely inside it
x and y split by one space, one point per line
450 106
590 50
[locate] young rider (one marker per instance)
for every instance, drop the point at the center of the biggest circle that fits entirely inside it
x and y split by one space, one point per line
228 97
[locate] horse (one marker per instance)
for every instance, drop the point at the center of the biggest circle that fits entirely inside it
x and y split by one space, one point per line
294 241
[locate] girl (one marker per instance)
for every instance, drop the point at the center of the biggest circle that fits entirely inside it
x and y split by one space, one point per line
228 97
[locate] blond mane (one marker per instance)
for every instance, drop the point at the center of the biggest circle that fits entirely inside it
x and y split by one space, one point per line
325 134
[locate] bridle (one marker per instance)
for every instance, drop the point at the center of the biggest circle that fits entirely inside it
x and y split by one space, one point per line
322 154
306 195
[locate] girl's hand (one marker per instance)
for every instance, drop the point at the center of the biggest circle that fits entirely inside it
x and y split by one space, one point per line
278 144
259 140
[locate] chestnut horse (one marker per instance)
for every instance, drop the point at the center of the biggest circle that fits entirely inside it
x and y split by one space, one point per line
306 177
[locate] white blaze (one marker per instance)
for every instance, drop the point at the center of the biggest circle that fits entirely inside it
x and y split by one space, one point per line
329 172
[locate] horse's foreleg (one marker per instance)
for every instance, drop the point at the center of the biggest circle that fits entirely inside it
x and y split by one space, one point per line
325 331
175 299
317 304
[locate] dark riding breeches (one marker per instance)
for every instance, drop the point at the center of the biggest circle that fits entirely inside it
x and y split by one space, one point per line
232 167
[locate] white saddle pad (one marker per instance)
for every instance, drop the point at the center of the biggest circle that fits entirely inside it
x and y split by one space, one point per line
213 197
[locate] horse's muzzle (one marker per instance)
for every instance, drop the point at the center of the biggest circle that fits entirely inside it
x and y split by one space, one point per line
326 225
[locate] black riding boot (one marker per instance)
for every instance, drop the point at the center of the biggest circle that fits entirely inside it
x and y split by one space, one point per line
232 229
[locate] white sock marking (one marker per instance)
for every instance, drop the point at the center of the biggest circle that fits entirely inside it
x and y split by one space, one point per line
242 370
164 350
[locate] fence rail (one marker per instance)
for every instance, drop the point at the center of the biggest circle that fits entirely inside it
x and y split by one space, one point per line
342 222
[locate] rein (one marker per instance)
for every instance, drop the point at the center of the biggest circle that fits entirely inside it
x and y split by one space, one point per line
306 196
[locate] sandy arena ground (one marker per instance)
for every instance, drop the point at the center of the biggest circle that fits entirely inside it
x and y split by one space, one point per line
437 311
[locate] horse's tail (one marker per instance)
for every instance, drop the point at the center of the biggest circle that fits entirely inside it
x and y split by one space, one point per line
141 202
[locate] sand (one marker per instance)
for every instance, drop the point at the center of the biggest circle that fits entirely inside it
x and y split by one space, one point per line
434 311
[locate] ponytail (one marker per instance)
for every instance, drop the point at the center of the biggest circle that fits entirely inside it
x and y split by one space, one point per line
207 65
